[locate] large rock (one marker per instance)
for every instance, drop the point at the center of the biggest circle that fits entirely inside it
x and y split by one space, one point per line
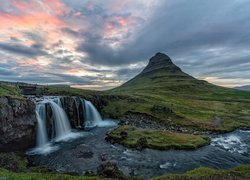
17 124
109 170
74 108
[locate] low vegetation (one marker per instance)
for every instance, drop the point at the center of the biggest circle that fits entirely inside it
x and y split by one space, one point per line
240 173
195 104
144 138
9 90
5 174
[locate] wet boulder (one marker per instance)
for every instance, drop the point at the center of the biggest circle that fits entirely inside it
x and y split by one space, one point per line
124 134
108 169
104 157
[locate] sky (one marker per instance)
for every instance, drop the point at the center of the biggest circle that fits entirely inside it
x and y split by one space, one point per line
100 44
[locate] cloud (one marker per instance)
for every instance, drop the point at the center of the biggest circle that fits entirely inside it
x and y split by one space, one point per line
6 72
104 43
70 32
20 49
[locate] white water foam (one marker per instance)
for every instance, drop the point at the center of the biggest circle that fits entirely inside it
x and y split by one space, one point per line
231 143
44 150
168 165
51 147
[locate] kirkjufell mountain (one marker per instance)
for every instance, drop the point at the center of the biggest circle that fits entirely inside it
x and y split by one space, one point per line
161 73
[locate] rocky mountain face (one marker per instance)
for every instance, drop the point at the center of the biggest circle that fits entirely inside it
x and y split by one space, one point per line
17 124
160 61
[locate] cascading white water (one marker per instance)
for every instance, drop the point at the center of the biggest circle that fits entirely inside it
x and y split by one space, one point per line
93 118
61 122
42 137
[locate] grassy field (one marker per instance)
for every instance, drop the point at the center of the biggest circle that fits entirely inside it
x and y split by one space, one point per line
5 174
157 139
239 173
8 90
195 103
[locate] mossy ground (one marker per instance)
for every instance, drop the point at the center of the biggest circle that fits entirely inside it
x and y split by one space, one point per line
239 173
157 139
9 90
5 174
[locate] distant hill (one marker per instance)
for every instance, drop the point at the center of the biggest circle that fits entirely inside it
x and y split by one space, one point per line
245 88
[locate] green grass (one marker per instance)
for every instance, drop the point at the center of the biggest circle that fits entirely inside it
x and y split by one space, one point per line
194 103
5 174
157 139
8 90
241 173
68 91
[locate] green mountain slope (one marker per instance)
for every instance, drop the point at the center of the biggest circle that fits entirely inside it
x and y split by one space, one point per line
161 74
195 104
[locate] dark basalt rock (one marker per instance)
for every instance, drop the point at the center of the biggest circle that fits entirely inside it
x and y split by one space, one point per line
74 109
124 134
108 169
17 124
104 157
141 143
160 109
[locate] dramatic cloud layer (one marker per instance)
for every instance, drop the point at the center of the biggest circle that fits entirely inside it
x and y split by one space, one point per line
100 44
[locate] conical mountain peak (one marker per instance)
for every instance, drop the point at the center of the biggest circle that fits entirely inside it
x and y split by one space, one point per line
159 61
162 73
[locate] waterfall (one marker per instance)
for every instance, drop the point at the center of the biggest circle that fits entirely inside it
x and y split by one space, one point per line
61 129
42 137
60 121
62 125
93 118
